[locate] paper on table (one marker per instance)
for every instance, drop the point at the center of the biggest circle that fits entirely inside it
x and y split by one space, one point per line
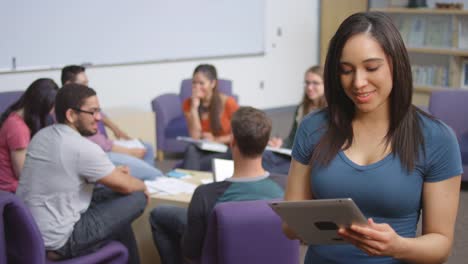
129 143
206 181
169 186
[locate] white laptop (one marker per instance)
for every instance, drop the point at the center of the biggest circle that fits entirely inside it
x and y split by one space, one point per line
222 169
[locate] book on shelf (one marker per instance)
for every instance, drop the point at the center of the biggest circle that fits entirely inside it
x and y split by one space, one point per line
439 32
464 74
463 33
404 26
418 30
205 144
430 75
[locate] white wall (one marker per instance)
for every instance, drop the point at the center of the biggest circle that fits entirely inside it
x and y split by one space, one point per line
280 69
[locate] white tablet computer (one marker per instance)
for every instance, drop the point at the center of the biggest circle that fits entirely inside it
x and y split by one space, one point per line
316 222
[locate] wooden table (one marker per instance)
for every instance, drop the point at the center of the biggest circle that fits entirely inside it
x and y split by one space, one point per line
141 226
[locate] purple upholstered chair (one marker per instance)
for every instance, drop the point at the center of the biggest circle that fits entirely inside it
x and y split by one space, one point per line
8 98
451 107
249 233
21 241
170 120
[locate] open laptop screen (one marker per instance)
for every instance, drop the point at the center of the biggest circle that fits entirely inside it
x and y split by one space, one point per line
222 169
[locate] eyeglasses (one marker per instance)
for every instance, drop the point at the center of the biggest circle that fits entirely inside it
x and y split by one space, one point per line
93 113
314 83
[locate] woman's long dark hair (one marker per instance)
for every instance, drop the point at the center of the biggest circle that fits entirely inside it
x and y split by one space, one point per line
216 103
307 103
36 102
404 134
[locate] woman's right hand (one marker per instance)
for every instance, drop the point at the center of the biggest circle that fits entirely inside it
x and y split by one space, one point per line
275 142
195 103
196 97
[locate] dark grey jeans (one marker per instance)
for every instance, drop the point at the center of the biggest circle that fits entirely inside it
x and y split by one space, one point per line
108 217
276 163
197 159
168 224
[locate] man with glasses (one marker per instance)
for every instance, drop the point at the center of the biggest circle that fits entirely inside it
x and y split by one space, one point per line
139 160
58 179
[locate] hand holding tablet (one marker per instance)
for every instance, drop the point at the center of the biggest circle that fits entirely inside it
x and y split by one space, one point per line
317 222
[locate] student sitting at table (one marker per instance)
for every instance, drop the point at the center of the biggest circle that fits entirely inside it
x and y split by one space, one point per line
18 124
312 100
58 179
208 113
139 160
179 233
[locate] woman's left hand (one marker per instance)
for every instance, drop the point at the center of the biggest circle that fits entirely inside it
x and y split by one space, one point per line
374 239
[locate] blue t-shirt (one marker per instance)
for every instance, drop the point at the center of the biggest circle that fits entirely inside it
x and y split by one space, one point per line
384 190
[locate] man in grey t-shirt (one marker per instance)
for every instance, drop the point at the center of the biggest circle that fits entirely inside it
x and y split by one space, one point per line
58 179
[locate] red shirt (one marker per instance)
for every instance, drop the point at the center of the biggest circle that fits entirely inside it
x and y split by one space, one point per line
230 106
14 135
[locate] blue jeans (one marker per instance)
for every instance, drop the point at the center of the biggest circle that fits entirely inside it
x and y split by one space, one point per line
168 224
142 169
108 217
149 155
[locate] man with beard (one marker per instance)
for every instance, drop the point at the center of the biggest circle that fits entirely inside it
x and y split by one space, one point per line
139 160
58 179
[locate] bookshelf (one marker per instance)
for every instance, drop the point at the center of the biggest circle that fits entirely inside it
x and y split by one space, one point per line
437 42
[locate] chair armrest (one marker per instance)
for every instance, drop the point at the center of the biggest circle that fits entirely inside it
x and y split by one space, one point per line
167 107
113 252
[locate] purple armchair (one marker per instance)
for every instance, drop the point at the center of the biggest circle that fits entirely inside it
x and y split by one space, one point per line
170 120
451 107
21 241
8 98
247 232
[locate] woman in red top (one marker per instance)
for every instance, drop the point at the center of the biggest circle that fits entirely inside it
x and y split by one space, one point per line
18 124
208 113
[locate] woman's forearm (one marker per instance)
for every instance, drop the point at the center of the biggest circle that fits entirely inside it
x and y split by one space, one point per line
17 160
223 139
194 124
426 249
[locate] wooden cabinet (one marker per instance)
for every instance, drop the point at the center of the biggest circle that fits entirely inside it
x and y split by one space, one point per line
437 42
332 13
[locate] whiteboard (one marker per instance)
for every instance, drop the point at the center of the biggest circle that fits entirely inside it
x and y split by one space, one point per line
53 33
